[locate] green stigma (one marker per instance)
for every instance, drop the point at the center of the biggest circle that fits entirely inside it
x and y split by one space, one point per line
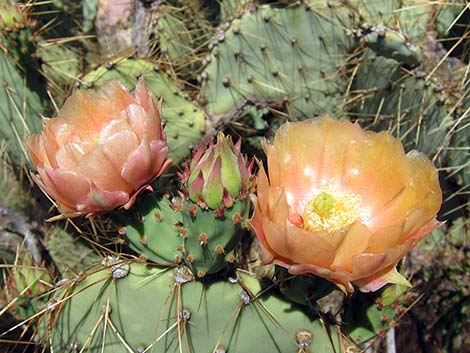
323 203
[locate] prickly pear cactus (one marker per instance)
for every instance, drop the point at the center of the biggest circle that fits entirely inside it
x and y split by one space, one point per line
112 310
262 57
177 269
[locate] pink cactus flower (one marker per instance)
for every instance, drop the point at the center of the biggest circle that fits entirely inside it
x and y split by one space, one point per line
102 149
343 203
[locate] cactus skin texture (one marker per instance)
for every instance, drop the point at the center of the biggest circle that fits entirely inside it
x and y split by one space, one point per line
60 65
185 122
177 232
17 33
70 256
154 309
264 57
366 317
410 105
20 109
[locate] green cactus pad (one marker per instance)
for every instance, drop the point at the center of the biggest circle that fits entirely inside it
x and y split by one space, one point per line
185 233
369 316
69 254
17 33
410 17
20 109
292 57
409 106
391 44
459 152
447 14
154 310
60 66
177 32
185 122
210 239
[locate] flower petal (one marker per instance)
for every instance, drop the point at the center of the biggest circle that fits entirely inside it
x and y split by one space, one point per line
68 187
306 247
355 241
97 167
139 165
118 147
99 199
371 284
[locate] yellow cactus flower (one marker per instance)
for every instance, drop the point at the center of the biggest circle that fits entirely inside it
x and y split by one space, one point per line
343 203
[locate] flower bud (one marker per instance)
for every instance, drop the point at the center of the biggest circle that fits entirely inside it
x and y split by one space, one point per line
218 174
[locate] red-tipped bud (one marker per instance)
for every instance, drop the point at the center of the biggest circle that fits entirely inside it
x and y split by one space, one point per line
218 174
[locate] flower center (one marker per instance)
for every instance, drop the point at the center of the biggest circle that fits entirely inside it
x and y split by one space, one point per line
331 211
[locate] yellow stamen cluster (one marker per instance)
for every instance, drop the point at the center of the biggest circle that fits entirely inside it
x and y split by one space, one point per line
331 211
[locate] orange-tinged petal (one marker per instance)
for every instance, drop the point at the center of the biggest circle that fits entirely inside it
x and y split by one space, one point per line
45 182
380 168
366 264
424 230
142 96
422 191
385 238
159 152
256 224
354 242
275 237
117 94
300 171
309 247
139 166
69 155
71 186
343 203
263 189
96 166
373 283
273 164
107 144
152 121
119 146
277 205
35 144
135 116
98 199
